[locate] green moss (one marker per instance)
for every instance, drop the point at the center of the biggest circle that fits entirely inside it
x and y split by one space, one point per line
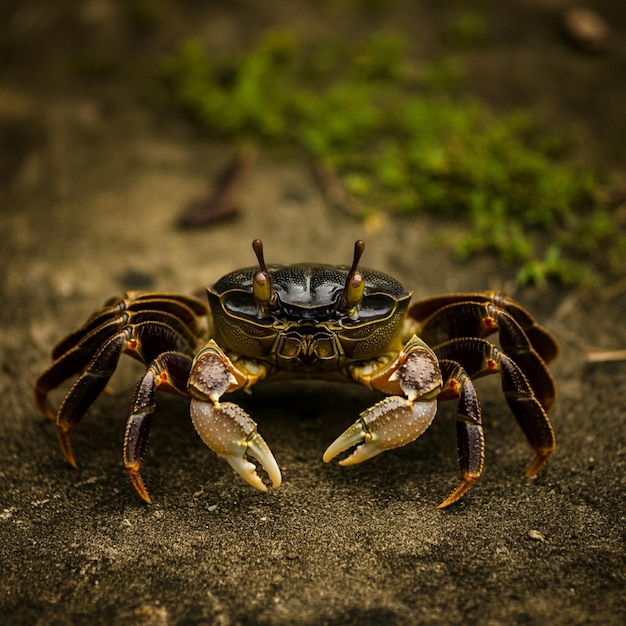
467 29
145 15
398 138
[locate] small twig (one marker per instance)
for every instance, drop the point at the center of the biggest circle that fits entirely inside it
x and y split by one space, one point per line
221 201
614 290
334 191
605 356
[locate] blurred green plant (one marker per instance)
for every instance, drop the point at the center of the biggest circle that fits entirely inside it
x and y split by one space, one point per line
398 140
468 29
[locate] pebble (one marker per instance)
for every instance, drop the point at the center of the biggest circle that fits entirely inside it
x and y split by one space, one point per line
586 29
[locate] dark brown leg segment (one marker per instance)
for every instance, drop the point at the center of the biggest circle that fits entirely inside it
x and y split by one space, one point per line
478 357
86 389
474 319
542 341
73 361
469 429
186 309
144 341
167 332
169 371
109 314
517 345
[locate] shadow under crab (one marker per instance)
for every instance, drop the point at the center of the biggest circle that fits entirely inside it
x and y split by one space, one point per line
319 322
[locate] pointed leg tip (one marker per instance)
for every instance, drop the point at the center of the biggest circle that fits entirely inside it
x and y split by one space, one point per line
145 497
41 401
47 413
463 487
535 467
138 484
66 448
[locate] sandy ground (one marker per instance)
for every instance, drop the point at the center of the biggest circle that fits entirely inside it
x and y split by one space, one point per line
91 188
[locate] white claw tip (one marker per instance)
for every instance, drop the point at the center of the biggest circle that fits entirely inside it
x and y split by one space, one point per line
247 471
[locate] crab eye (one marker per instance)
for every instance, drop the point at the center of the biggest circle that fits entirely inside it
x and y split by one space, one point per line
353 292
262 287
355 283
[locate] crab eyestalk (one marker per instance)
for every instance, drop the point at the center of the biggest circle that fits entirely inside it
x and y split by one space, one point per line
262 286
355 283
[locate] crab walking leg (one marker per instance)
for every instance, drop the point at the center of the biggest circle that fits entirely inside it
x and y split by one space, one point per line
480 358
170 372
515 344
469 430
148 334
398 419
428 311
143 341
73 361
188 310
85 390
223 426
480 319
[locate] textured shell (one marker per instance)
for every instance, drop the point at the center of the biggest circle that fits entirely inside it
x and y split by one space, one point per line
309 297
310 284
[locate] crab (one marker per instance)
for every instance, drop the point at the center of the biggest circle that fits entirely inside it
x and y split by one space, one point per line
310 321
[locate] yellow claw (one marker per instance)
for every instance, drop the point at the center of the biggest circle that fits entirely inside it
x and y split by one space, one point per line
391 423
231 433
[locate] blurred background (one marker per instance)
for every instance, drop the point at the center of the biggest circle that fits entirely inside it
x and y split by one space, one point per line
503 122
472 144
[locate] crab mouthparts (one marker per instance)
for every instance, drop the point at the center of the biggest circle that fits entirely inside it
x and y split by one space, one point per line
307 346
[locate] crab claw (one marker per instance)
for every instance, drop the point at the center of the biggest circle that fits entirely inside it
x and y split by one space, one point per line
230 432
391 423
